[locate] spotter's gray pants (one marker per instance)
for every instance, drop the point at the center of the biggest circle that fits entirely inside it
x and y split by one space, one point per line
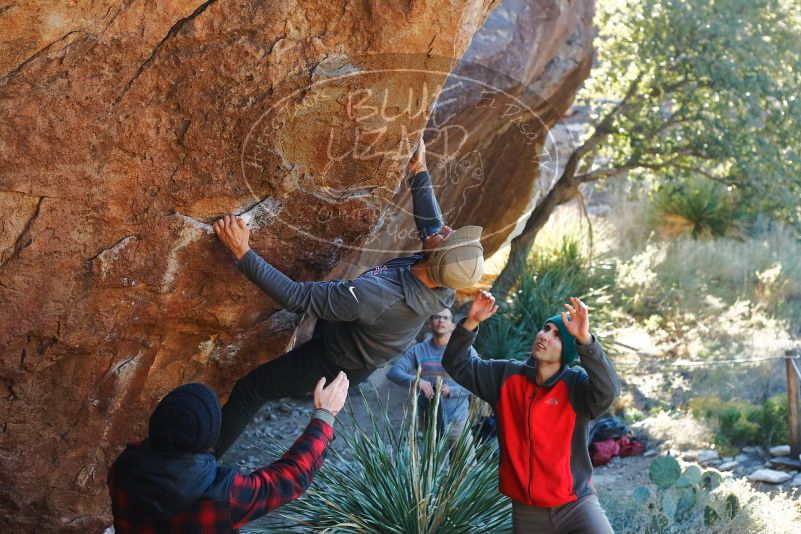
583 516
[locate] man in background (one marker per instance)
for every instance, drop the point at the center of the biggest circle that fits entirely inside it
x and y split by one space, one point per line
427 355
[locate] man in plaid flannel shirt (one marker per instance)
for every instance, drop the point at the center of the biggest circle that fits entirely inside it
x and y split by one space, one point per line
170 482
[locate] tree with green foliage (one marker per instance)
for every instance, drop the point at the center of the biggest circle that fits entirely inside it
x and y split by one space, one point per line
684 90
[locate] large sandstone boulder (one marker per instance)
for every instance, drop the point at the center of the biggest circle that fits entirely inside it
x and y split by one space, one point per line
127 127
491 149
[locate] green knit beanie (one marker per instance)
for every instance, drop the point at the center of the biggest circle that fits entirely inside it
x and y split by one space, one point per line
569 354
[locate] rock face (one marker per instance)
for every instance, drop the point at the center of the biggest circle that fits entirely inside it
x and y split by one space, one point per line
770 476
780 450
127 127
488 137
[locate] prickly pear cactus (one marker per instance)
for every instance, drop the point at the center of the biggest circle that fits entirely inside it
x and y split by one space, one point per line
642 495
686 503
715 509
711 516
682 495
692 474
732 505
710 479
664 471
670 503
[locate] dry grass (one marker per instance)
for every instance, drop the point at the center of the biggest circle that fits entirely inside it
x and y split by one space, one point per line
760 513
677 430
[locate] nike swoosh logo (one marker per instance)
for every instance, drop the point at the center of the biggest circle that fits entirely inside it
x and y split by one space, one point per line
351 288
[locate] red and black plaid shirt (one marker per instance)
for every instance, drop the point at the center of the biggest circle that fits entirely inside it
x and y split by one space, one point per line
251 496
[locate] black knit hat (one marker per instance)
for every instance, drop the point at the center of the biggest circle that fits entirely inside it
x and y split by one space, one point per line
186 420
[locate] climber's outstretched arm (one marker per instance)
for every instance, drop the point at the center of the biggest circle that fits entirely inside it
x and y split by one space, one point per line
333 301
427 214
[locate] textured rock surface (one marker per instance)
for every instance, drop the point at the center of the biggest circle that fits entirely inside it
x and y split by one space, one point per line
770 476
126 128
488 136
780 450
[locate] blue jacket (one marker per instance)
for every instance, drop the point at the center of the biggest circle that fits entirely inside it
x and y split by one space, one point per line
428 357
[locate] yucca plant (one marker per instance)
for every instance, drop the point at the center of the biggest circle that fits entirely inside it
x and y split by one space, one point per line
550 277
403 481
501 338
699 208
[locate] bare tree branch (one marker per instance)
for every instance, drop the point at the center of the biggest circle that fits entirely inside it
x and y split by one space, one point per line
583 205
600 174
603 129
673 162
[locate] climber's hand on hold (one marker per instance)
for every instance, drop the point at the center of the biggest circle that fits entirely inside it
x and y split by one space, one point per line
234 234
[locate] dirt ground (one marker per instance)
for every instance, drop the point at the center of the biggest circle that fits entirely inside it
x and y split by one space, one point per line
282 421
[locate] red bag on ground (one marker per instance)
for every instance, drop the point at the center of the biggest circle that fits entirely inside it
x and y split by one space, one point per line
603 451
630 446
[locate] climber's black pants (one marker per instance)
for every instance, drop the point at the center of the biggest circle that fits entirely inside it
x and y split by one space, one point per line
292 374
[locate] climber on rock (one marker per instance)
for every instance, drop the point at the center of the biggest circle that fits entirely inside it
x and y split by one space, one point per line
362 323
544 408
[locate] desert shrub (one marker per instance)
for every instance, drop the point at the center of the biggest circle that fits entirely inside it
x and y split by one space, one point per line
408 481
701 209
501 338
771 418
740 423
687 275
552 275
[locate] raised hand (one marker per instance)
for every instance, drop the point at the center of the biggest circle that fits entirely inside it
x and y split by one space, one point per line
482 309
418 161
332 397
234 234
434 240
579 324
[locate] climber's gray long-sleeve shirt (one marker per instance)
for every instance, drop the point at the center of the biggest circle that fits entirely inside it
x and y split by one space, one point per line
371 319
